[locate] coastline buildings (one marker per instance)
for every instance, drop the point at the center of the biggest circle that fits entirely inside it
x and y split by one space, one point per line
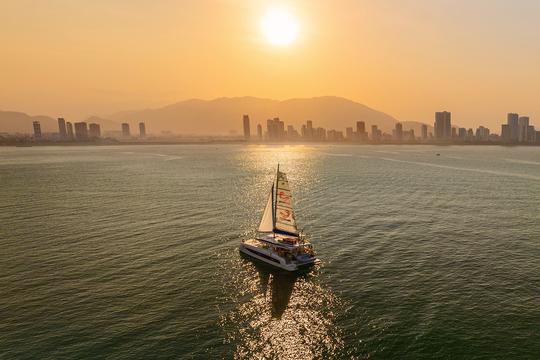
518 130
247 130
443 125
81 131
361 131
142 130
62 130
69 128
398 132
259 132
125 130
37 129
94 131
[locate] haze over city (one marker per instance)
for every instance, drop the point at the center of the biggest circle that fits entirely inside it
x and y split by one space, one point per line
74 59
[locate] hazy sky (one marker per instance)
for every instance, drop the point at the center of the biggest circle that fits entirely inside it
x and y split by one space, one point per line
479 59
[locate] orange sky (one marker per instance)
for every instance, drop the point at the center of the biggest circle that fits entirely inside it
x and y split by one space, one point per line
478 59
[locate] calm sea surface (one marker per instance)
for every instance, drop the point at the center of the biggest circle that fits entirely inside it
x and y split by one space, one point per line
132 252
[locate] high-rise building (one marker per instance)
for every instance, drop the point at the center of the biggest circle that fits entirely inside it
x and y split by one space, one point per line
37 129
247 130
505 133
290 132
81 131
443 125
531 134
424 131
513 126
309 129
69 128
62 131
462 133
94 131
482 134
270 132
523 126
279 128
319 134
142 129
361 130
454 133
125 130
349 133
259 132
399 131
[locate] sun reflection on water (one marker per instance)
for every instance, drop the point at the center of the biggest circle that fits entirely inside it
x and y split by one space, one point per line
280 315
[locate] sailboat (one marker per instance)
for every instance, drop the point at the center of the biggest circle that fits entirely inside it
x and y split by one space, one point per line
278 241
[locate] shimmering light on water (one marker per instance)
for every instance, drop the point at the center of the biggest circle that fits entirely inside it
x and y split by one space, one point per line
131 252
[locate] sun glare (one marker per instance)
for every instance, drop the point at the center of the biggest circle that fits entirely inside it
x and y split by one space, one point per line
279 27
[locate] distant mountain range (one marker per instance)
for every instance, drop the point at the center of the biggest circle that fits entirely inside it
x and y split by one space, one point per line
18 122
224 115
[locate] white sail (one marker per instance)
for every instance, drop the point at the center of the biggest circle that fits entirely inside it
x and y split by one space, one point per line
267 221
284 216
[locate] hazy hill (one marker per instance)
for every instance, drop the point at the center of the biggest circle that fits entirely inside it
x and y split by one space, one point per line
18 122
223 115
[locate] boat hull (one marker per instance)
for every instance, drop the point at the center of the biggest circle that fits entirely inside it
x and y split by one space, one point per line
271 259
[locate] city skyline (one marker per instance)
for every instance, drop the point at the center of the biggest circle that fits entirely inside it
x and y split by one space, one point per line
217 117
517 130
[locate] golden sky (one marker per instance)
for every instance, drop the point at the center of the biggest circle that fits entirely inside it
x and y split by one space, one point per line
479 59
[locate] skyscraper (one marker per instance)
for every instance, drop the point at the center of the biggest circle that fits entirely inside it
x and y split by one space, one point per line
142 129
247 130
482 134
361 130
69 128
523 126
259 132
81 131
270 132
349 133
279 128
513 126
62 131
399 131
94 130
443 125
37 129
424 131
125 129
309 129
505 133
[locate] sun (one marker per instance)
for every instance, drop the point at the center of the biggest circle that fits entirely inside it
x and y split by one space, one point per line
279 27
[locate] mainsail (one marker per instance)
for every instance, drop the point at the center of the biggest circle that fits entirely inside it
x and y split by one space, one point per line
267 221
285 221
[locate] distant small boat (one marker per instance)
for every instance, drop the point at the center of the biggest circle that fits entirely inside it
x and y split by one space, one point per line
438 154
278 241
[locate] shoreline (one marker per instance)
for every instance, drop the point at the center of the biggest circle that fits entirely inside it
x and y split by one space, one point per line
243 142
